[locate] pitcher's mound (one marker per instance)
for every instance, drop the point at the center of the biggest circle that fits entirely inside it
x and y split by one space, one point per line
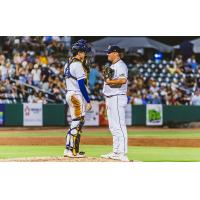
58 159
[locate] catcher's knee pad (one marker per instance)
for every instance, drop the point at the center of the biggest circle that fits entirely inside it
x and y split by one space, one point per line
73 135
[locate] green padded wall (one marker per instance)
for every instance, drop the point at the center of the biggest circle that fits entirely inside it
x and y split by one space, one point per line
13 115
54 115
178 114
138 115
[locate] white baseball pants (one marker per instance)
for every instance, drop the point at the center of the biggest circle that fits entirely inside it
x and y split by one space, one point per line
116 106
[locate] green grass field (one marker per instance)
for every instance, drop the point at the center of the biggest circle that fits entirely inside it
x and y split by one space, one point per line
157 154
152 154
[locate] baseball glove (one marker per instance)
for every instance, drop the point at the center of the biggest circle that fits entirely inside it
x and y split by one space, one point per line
108 73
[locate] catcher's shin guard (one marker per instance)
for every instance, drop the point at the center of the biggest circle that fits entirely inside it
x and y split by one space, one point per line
73 135
76 143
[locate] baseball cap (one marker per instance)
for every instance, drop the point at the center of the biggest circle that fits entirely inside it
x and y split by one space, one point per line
113 48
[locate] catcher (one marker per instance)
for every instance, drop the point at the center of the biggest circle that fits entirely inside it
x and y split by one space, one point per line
76 73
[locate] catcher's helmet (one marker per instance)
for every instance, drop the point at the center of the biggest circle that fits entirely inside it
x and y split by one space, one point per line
81 45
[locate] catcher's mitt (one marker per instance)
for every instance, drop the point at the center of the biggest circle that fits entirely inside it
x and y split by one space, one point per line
108 73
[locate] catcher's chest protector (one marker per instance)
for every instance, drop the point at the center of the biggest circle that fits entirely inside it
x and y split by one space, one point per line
68 74
67 70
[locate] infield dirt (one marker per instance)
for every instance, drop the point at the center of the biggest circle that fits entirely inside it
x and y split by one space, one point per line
90 140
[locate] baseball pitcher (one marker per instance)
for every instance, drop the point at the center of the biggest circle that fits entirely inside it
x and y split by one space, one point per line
77 97
115 91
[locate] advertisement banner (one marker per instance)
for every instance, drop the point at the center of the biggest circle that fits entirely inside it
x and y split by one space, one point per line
33 114
92 116
2 110
154 115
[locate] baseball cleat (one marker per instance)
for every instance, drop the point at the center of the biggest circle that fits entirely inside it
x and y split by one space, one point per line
124 158
120 157
68 153
109 155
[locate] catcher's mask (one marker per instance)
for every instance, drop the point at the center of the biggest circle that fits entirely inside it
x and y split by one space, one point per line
80 46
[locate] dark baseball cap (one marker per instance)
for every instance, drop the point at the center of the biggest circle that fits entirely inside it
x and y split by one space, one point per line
113 48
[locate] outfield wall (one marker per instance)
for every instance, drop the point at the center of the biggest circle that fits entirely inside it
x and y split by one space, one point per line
58 115
51 115
171 114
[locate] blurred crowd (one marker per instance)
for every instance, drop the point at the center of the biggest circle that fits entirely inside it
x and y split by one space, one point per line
173 82
31 70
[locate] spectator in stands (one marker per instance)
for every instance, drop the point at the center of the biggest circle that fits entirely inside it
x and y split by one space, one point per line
93 76
136 99
17 58
156 99
178 62
192 63
43 59
32 97
45 73
195 100
29 75
3 72
170 99
172 69
154 88
149 97
163 93
22 74
36 72
2 59
40 98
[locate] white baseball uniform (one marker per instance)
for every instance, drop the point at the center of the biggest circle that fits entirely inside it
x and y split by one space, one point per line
74 96
116 101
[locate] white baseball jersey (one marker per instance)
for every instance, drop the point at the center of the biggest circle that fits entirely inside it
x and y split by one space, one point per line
77 71
121 70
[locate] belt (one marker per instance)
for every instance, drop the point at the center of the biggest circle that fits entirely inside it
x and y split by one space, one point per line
114 95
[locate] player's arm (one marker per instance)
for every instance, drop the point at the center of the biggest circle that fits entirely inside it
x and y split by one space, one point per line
119 81
80 74
121 77
81 83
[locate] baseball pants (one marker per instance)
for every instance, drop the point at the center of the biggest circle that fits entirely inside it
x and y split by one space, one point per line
77 109
76 104
116 106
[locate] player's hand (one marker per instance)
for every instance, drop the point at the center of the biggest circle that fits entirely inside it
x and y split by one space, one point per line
107 81
88 106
